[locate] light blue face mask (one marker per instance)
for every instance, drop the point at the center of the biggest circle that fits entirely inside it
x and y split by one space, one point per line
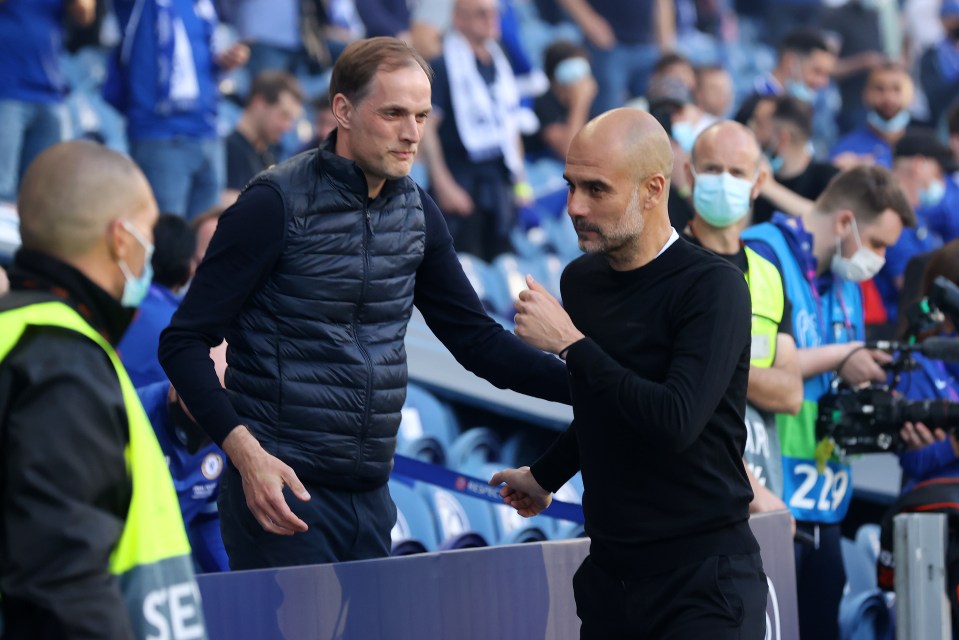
684 135
571 70
932 194
800 90
894 124
775 162
135 288
721 199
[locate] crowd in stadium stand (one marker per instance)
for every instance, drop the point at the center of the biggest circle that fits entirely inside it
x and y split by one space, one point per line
841 179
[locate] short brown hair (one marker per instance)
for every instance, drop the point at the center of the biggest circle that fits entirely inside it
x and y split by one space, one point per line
270 84
867 192
362 59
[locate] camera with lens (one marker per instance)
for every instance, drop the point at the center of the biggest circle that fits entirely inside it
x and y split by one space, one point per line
868 420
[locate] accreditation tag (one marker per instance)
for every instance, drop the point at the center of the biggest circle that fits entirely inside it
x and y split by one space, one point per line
760 347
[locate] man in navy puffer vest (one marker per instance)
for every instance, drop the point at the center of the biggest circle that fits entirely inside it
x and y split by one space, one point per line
311 278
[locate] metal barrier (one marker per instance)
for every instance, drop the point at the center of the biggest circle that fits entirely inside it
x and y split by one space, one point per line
497 593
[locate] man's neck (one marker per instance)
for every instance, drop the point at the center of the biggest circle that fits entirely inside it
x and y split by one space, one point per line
374 183
816 224
248 131
650 242
724 241
795 162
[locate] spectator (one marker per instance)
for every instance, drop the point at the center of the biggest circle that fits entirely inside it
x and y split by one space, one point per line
783 16
803 69
674 65
196 465
31 83
714 91
92 536
756 112
856 25
791 159
887 97
172 267
822 256
670 102
323 122
564 108
274 105
624 40
204 226
385 18
282 35
331 249
472 145
726 174
164 82
922 166
939 65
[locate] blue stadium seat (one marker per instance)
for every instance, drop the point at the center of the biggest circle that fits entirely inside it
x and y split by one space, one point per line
474 448
864 613
415 530
562 237
571 492
427 428
524 446
490 287
461 522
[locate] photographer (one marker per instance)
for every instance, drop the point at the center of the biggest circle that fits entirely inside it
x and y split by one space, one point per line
931 452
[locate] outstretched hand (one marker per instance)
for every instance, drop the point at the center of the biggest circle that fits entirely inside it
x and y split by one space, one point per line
521 491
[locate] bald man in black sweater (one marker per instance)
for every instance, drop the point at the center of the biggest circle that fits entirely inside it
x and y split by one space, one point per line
656 336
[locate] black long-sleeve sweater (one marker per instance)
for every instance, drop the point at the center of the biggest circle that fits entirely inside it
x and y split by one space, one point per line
659 392
249 240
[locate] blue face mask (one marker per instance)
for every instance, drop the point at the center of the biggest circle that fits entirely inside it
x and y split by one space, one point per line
135 288
571 70
800 90
933 193
775 161
684 135
721 199
894 124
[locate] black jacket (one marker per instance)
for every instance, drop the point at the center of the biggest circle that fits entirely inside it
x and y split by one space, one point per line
64 487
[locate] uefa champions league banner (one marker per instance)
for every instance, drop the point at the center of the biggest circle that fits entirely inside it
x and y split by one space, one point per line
521 592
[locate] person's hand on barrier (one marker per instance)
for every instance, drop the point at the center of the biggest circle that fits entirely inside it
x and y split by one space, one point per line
522 491
916 435
542 322
765 500
864 365
264 477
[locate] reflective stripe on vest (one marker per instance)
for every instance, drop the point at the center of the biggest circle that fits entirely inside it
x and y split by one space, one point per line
768 300
152 558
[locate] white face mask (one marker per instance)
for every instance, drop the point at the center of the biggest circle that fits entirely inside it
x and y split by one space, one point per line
863 265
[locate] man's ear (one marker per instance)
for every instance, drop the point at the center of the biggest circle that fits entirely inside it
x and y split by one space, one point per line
842 221
116 240
656 190
342 110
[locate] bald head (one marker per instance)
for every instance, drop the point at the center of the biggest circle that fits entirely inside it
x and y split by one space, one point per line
729 138
71 193
628 137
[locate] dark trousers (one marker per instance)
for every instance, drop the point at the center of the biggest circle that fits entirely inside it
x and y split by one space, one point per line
820 579
720 598
343 525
